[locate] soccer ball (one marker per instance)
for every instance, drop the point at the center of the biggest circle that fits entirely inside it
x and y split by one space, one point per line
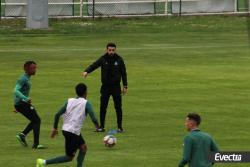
109 140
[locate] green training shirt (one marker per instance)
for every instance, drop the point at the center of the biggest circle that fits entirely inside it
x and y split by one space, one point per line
22 89
197 145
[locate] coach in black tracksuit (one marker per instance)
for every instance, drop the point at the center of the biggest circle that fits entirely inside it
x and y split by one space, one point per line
113 70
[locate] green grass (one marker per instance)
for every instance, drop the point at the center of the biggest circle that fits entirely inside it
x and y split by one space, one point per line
175 66
243 5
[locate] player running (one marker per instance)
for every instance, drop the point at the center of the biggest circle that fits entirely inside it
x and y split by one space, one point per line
74 112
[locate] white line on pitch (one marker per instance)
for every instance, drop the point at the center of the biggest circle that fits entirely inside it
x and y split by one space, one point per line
149 47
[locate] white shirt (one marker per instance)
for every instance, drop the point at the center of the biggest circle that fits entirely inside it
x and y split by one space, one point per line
75 115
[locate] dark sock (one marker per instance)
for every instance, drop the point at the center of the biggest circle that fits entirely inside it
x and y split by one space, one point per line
80 158
58 160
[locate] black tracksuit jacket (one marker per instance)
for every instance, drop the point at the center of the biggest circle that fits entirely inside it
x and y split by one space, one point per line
113 70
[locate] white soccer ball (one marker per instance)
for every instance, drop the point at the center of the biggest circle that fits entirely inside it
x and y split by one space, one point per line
109 140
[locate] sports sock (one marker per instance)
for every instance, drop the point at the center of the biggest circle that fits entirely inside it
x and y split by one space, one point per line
57 160
80 158
22 134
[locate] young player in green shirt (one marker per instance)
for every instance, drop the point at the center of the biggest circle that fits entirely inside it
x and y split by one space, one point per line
22 104
197 144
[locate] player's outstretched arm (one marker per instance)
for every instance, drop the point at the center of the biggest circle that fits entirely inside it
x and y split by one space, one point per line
92 67
54 131
90 111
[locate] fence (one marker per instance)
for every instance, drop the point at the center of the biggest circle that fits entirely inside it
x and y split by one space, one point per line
92 8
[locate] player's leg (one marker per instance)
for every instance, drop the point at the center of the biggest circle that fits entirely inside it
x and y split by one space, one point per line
36 122
56 160
25 112
70 149
28 111
23 108
82 152
103 109
105 94
116 94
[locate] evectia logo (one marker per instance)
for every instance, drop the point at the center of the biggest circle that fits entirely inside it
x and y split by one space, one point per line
231 157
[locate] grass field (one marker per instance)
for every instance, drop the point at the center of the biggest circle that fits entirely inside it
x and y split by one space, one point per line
175 66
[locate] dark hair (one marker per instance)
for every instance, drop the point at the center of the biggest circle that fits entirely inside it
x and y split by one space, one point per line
110 44
81 89
28 63
195 117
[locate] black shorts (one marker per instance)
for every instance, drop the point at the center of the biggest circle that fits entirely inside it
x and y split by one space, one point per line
72 143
